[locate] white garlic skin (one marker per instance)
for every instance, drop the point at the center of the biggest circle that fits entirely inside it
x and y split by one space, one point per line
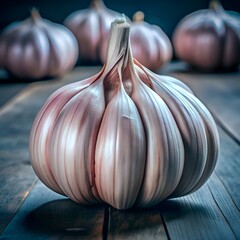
91 28
37 48
125 136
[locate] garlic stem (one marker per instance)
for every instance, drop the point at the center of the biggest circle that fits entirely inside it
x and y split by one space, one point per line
97 4
215 5
35 16
138 16
118 43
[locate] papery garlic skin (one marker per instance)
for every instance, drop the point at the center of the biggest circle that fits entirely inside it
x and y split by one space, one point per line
37 48
125 136
120 152
198 131
209 39
165 153
91 27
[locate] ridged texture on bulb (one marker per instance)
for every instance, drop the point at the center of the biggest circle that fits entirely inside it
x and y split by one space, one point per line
91 27
73 143
41 134
120 152
37 48
209 39
165 154
125 136
194 122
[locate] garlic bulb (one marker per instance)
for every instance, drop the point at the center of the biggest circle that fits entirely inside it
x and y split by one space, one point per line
37 48
91 27
150 45
125 136
209 39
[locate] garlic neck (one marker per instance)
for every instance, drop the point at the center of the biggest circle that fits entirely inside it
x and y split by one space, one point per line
97 4
138 17
119 63
35 16
215 5
119 43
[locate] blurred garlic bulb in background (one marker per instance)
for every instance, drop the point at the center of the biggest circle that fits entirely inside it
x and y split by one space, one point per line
209 39
37 48
150 45
125 136
91 27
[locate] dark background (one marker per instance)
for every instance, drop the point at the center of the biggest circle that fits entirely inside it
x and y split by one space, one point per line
165 13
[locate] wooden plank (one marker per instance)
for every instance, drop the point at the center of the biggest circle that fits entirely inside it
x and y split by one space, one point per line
225 203
7 91
16 117
227 168
195 216
136 224
48 215
210 213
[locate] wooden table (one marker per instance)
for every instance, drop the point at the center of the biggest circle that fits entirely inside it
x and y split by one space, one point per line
29 210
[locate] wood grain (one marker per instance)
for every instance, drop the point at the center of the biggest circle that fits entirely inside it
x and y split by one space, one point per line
7 91
227 168
213 212
48 215
136 224
195 216
225 203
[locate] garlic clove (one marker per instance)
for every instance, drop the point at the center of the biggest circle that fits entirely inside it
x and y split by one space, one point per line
144 74
73 143
42 130
193 133
212 139
120 152
165 152
198 131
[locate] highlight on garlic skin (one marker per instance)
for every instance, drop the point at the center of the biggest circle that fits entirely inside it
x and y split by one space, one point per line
150 45
91 27
209 39
37 48
125 136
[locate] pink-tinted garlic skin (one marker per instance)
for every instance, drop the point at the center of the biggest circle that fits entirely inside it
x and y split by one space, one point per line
209 39
37 48
150 45
91 28
125 136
